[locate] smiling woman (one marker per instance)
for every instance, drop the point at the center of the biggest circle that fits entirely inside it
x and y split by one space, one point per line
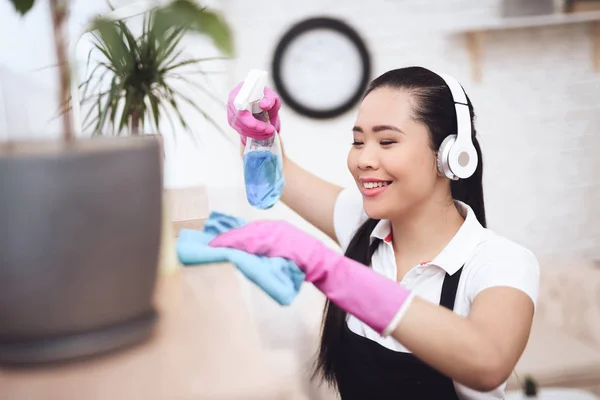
445 308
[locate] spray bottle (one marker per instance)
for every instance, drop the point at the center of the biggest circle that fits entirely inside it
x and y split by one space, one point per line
263 159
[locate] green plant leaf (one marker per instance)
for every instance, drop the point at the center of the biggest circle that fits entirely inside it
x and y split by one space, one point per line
201 88
131 83
212 25
188 62
168 45
112 46
155 109
22 6
131 42
187 14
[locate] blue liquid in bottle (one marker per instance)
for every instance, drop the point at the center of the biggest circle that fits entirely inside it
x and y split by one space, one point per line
263 169
263 175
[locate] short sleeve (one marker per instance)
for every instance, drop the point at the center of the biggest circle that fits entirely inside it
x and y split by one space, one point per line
348 215
501 262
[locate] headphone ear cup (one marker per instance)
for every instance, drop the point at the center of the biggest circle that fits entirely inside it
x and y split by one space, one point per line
443 155
463 160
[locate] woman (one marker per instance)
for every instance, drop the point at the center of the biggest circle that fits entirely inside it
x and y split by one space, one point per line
445 309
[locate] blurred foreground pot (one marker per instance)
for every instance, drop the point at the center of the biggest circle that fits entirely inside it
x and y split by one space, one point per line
80 229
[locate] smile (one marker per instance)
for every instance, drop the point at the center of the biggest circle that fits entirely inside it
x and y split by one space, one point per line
374 188
372 185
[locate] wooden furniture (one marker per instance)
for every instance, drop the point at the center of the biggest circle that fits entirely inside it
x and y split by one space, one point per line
205 347
187 207
474 34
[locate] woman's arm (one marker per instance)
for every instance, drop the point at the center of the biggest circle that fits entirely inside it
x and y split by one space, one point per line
310 196
306 194
479 351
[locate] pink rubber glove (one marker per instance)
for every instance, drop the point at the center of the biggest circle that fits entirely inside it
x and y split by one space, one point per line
377 301
248 126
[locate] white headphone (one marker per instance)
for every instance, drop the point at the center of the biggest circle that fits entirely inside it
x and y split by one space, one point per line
457 157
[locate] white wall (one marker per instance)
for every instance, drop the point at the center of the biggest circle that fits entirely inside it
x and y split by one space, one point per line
28 94
537 106
538 109
26 46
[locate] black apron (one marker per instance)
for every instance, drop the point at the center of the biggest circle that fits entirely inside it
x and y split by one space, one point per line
372 371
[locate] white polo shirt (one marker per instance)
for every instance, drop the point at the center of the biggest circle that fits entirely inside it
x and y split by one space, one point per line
489 260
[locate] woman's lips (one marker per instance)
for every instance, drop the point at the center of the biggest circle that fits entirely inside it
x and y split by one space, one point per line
372 188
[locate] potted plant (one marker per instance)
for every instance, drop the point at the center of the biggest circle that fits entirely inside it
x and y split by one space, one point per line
80 222
134 81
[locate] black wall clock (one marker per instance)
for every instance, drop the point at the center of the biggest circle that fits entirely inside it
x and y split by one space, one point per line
321 67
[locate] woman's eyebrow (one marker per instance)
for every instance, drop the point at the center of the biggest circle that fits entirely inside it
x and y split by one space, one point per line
379 128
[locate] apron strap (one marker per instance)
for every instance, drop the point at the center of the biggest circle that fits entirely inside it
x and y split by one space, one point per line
449 289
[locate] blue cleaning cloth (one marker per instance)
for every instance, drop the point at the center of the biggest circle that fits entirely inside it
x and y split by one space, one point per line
278 277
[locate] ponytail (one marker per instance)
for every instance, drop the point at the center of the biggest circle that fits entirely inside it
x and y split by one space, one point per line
328 362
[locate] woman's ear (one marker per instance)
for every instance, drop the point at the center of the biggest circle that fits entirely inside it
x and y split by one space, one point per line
436 164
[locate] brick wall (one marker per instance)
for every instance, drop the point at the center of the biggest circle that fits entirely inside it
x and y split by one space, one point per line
538 106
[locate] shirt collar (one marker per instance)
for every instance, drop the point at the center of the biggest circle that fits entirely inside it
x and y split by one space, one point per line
458 250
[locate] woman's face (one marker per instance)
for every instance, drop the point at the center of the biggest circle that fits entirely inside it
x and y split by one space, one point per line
391 159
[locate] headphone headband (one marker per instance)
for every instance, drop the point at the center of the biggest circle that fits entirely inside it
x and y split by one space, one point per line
463 116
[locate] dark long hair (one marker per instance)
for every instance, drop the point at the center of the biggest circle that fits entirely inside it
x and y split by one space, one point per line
434 107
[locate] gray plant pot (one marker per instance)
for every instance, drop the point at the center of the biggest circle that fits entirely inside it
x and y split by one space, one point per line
80 229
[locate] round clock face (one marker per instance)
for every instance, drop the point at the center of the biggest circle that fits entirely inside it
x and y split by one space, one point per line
321 68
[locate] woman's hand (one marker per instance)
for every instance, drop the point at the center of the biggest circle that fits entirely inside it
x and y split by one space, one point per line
355 288
273 239
244 122
306 194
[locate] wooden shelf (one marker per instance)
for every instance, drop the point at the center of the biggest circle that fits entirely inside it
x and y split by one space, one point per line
475 33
